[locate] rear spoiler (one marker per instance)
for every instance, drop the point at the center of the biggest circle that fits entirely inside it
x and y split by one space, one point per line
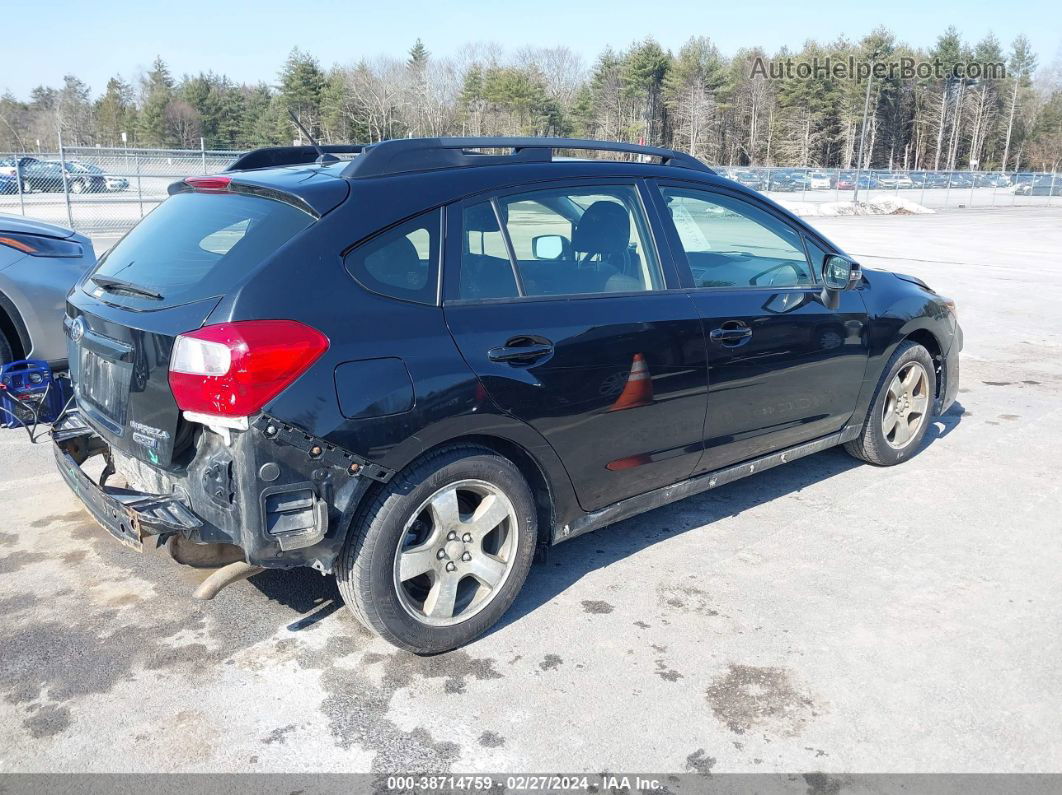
273 156
225 184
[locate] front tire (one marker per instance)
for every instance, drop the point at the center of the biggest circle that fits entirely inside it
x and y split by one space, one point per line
442 551
902 409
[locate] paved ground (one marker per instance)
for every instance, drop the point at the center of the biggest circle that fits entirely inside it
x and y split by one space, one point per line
822 616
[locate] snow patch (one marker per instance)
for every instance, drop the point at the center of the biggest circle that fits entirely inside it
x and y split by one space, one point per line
885 205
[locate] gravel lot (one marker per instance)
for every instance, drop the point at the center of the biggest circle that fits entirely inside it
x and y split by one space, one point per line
823 616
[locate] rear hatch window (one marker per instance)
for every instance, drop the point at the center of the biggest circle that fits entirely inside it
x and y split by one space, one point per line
193 246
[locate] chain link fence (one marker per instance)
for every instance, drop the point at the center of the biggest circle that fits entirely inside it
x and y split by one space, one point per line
104 192
834 191
94 190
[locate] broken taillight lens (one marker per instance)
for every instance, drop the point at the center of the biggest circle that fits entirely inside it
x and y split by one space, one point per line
234 369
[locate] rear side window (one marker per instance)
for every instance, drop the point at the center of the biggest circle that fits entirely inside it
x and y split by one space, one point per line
197 245
568 241
401 262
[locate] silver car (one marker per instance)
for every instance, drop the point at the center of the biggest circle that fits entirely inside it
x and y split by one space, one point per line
39 263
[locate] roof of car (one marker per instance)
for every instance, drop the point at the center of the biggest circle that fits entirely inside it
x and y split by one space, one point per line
411 155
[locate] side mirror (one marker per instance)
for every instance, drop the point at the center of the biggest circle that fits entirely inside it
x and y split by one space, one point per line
840 273
548 246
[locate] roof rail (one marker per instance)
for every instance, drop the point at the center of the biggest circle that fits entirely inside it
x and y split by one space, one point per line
404 155
272 156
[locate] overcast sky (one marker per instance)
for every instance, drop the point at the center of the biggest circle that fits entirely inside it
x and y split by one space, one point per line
248 41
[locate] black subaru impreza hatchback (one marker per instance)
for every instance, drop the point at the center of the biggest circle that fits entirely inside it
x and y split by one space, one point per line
414 363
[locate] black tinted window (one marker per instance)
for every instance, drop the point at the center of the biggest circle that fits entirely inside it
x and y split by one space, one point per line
401 262
196 245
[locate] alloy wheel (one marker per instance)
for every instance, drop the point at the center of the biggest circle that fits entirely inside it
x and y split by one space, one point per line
906 405
456 553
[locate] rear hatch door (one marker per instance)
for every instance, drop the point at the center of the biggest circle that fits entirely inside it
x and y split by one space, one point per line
162 279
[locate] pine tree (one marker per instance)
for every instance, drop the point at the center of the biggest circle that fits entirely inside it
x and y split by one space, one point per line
156 93
644 69
115 112
418 56
301 84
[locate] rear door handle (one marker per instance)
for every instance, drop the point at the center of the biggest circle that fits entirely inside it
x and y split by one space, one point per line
520 354
733 332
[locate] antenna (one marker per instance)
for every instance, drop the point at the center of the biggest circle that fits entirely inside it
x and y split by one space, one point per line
322 156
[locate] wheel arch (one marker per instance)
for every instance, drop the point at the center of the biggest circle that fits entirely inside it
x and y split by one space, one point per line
13 327
928 340
544 487
555 498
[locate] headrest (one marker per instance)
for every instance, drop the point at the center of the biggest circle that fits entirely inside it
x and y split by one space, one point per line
480 217
605 228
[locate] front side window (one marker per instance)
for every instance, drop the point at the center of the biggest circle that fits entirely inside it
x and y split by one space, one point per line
731 243
568 241
401 262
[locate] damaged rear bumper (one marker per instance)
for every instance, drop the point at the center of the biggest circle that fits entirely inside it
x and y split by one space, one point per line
282 497
127 515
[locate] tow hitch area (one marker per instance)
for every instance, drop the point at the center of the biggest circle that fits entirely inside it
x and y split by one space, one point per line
127 515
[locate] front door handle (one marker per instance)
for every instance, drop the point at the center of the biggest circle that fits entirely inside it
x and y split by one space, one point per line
521 351
732 333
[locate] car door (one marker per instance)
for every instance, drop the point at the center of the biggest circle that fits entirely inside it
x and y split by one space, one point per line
783 367
558 300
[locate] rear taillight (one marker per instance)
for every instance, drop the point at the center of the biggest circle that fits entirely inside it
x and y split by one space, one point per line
213 184
233 369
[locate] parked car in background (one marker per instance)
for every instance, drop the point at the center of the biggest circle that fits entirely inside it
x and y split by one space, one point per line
100 180
993 179
8 183
845 180
41 175
960 179
785 180
820 180
85 178
525 366
936 179
750 179
1040 185
893 179
7 164
39 263
47 176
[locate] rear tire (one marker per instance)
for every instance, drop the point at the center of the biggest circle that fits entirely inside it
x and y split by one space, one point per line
442 550
901 411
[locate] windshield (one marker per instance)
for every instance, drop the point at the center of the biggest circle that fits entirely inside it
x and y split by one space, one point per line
198 245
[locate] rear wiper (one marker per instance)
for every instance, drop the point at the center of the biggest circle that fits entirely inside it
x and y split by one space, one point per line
112 285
